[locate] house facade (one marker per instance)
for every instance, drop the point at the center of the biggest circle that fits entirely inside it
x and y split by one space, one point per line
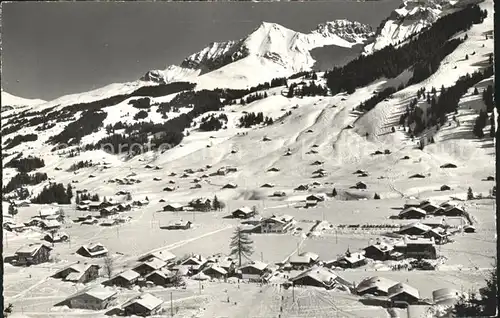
276 224
33 254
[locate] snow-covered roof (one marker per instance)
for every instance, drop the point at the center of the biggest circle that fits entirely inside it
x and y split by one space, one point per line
163 255
383 247
305 257
145 300
101 293
418 241
418 225
50 223
381 283
128 275
48 211
354 257
244 209
216 268
256 264
322 275
400 288
31 249
412 209
175 205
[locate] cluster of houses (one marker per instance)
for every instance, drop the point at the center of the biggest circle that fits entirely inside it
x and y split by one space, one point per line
415 209
48 219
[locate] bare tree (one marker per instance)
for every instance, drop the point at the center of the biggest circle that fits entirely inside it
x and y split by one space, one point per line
108 266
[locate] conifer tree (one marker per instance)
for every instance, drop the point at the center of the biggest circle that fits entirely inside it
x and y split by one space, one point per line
241 245
470 195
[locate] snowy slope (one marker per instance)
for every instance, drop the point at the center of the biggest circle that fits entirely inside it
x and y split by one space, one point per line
10 101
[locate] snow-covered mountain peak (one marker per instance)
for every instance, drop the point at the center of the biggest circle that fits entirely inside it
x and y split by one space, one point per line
10 101
277 50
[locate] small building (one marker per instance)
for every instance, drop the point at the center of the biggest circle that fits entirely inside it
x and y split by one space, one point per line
124 279
317 163
379 251
359 185
273 169
448 165
279 194
302 187
14 227
45 212
412 213
143 305
122 207
267 185
32 254
82 207
444 187
156 179
56 237
439 234
108 211
172 207
90 221
403 293
78 273
319 277
194 263
376 286
92 250
149 266
169 189
414 229
178 225
49 225
230 186
430 208
253 270
277 224
160 277
93 298
36 221
303 259
417 176
243 213
316 197
350 260
469 229
215 271
452 211
418 248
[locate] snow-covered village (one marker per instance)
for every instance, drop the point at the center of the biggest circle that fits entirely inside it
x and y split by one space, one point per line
257 178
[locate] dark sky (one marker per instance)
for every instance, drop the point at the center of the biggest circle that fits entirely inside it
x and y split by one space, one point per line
53 49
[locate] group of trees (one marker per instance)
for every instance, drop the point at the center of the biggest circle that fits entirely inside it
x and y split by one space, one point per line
212 122
141 115
22 179
83 196
230 96
17 140
480 123
250 119
253 98
89 122
423 52
483 306
26 164
488 98
311 89
54 192
80 164
140 103
377 98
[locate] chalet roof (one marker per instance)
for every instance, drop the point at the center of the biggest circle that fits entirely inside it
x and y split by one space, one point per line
403 288
383 247
99 292
100 249
174 205
453 208
418 225
433 221
163 255
198 259
50 223
381 283
354 257
244 209
316 197
31 249
164 273
146 300
305 257
280 219
128 275
216 268
322 275
413 209
429 204
255 264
